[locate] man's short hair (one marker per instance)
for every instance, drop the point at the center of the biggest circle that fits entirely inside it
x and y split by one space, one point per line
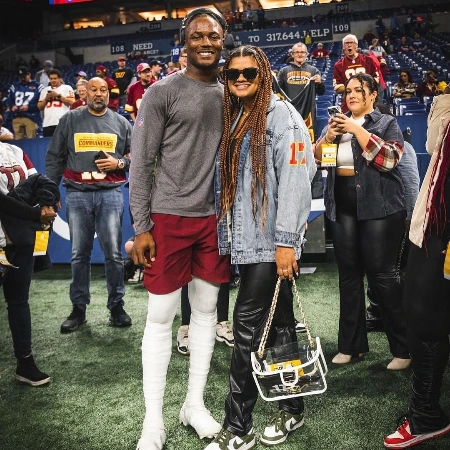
191 15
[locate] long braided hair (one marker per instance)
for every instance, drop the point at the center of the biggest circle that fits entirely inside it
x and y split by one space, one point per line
255 121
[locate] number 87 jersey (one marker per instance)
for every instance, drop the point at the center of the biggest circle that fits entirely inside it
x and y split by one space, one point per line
25 92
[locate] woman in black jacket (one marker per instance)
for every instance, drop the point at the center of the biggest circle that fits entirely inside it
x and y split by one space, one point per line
15 167
364 200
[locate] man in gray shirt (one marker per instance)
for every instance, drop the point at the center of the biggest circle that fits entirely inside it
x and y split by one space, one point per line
174 143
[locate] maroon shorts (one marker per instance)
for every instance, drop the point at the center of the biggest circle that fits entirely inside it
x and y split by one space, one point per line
185 247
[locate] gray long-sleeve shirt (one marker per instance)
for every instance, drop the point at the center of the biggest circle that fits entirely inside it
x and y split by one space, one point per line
410 176
179 125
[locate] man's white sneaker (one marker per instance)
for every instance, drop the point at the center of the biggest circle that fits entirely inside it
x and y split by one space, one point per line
201 420
224 333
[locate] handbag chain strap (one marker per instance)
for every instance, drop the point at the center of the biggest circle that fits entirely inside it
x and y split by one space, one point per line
273 306
402 248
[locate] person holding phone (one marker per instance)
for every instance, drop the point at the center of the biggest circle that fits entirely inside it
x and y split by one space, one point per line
90 148
364 201
55 101
263 190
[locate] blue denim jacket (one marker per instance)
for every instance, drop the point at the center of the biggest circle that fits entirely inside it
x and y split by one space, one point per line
379 194
288 185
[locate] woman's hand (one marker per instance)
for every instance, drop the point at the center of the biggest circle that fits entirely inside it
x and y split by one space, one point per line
344 125
48 215
286 262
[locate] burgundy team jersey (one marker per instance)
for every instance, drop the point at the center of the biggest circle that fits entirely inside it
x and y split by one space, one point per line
135 93
347 67
319 53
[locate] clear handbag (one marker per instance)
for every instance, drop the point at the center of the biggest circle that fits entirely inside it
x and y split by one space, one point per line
291 370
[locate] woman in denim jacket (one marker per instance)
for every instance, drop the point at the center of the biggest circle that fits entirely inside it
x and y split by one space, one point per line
364 200
263 196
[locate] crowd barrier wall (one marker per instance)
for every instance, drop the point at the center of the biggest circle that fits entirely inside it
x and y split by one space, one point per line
59 246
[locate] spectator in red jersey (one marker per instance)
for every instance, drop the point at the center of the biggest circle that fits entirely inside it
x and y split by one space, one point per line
350 64
320 52
137 90
102 72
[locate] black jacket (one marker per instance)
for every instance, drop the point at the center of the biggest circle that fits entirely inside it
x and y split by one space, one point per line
20 223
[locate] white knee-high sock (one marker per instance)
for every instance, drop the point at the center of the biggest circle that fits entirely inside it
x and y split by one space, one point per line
156 352
202 329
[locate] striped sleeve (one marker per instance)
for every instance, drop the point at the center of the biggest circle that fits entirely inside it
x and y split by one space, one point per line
384 155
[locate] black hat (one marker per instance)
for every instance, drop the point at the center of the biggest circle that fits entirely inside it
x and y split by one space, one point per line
155 62
22 71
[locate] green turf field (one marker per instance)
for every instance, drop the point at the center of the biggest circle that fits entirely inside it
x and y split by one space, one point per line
95 401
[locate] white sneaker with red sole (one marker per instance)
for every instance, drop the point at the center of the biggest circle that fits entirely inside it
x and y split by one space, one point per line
403 438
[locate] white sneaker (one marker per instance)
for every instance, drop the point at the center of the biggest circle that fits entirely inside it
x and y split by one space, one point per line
224 333
136 278
300 327
281 424
201 420
183 340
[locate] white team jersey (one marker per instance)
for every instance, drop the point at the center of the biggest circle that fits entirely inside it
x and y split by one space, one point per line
54 110
15 166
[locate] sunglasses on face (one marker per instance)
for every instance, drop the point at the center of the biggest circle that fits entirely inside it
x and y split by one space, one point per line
250 73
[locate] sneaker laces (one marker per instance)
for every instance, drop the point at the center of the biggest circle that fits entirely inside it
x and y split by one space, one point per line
223 437
402 422
277 420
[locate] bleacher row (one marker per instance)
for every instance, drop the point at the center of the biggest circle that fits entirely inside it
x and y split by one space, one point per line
416 62
353 16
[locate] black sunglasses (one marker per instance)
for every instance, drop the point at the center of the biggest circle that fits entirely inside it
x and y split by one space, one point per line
250 73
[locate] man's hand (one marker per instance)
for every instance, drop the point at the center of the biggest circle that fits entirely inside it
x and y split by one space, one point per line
48 215
316 78
144 250
107 164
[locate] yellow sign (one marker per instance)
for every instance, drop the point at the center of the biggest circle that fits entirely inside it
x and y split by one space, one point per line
41 243
329 155
94 142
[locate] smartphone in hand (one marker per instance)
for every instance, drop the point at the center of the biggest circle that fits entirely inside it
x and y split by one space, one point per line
333 110
100 155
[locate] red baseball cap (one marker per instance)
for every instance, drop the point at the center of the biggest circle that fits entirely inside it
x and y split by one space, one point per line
141 67
121 58
102 68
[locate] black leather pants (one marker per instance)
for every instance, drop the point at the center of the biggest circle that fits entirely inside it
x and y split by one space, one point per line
249 318
367 247
427 306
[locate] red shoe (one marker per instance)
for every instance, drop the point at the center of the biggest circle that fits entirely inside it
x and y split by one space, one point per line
403 438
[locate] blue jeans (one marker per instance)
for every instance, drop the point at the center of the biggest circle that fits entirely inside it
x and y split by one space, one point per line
89 212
